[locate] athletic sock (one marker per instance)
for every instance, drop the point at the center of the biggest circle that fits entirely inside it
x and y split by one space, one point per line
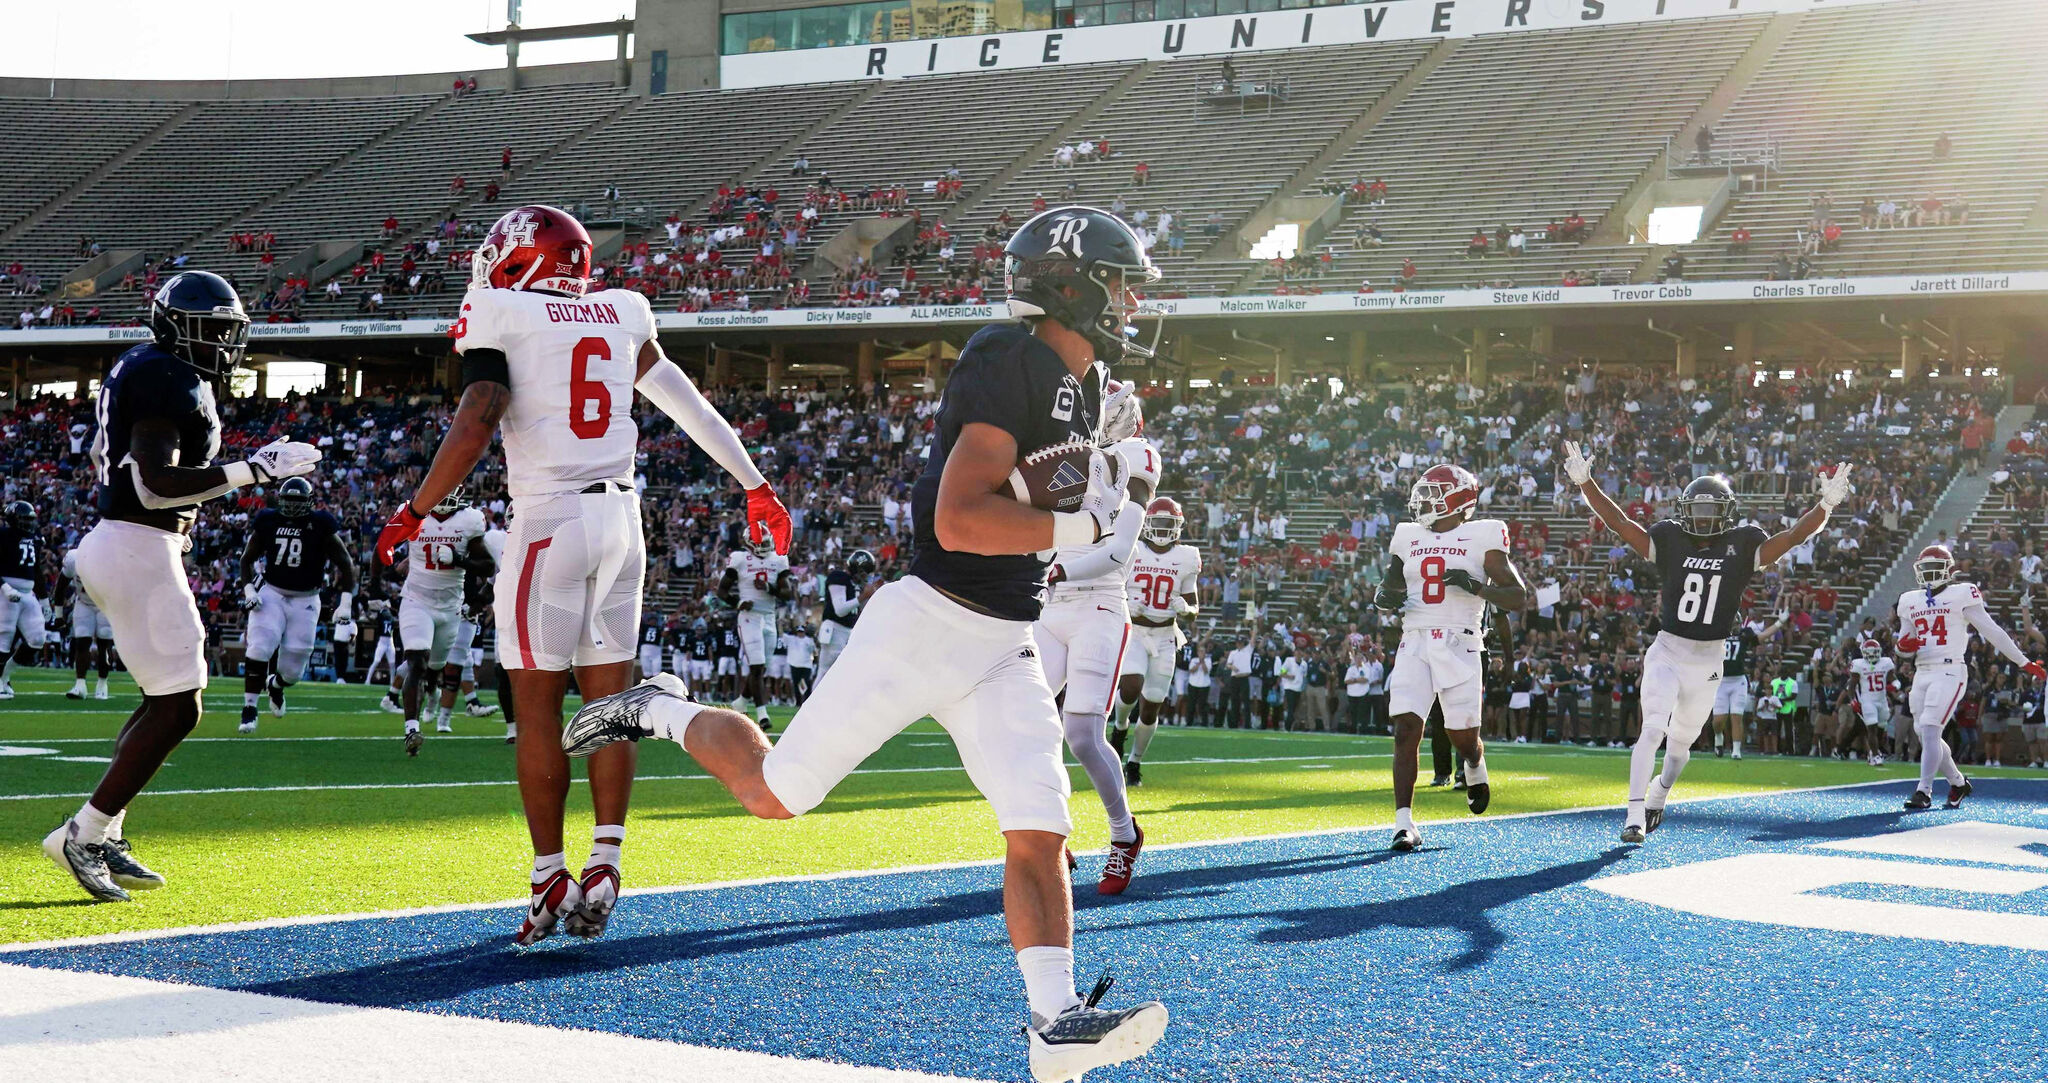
92 824
1404 819
473 701
605 853
1048 980
1637 816
546 865
1931 749
249 699
1142 740
7 670
1738 748
412 725
116 825
1475 771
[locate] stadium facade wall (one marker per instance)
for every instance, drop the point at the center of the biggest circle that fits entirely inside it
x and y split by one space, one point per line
367 86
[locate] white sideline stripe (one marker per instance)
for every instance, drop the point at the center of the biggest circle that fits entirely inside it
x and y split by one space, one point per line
52 1021
856 874
640 778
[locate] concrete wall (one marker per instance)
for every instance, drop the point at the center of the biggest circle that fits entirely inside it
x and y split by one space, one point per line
688 30
594 71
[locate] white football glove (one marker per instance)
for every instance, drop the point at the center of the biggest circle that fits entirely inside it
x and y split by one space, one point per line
1181 608
344 608
1835 488
284 458
1107 475
9 593
1576 466
252 597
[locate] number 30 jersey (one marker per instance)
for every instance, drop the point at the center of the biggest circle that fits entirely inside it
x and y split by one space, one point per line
572 363
1157 578
1938 618
1427 554
1704 578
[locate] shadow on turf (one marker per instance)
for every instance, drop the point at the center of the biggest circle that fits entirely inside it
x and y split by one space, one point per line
458 971
45 904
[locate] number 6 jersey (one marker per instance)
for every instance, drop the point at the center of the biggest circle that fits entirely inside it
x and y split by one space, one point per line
1704 577
1426 555
572 362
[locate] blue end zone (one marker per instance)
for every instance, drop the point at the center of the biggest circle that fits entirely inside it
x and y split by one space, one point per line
1484 957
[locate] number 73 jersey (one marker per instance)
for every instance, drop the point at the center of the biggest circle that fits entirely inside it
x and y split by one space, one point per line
1427 554
572 362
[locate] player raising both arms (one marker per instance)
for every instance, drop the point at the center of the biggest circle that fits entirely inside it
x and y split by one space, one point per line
952 639
296 544
159 430
1935 619
1706 563
556 369
755 581
1084 629
1445 568
1161 591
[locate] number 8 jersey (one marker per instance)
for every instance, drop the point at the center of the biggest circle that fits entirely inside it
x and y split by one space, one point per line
1426 555
1704 577
572 363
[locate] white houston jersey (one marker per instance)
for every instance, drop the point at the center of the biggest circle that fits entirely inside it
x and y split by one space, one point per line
1872 678
1141 460
1157 578
1427 554
572 363
433 566
1937 618
757 577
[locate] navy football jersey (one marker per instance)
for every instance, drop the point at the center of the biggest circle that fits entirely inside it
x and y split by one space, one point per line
837 577
1007 378
728 642
150 383
1735 652
700 644
1704 578
294 550
650 633
21 554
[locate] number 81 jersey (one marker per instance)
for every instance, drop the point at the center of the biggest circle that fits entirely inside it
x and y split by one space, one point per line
1427 554
1704 577
572 362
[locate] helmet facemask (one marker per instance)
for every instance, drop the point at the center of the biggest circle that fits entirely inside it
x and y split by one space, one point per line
1705 515
1934 571
1161 529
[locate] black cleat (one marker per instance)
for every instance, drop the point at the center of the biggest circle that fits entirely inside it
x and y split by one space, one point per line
1085 1037
1458 782
1133 774
1653 818
413 741
1957 792
1632 835
1921 799
275 686
86 862
125 870
1478 796
620 717
1116 739
248 723
1406 840
1439 782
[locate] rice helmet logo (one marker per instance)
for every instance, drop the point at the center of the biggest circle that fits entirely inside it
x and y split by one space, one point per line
1065 236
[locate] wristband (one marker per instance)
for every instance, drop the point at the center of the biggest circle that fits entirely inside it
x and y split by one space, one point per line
1074 528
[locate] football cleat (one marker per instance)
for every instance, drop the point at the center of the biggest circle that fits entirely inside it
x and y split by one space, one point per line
553 898
275 687
1122 864
1653 818
77 690
248 723
1735 755
441 725
100 690
1116 740
1439 782
1921 799
6 691
1085 1037
1134 775
1632 835
1458 780
1406 840
511 733
620 717
600 888
1957 792
413 741
86 862
1478 796
762 720
125 870
479 709
390 705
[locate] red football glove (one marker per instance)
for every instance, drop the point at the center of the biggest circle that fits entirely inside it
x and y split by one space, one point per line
1909 644
2035 670
765 514
403 525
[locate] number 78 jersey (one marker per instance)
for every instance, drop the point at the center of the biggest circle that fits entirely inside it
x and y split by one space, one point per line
572 363
1426 555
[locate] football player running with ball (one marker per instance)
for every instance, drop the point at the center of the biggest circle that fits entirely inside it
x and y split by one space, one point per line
555 368
952 639
1705 562
1445 568
1935 619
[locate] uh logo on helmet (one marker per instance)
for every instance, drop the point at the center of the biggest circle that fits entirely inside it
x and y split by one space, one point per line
1443 490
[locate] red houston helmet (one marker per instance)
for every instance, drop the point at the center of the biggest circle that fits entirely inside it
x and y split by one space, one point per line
534 248
1442 491
1872 649
1162 523
1935 566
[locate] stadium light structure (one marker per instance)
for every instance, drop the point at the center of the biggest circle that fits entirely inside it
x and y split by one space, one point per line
514 34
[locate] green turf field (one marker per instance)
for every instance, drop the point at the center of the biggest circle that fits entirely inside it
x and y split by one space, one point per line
322 812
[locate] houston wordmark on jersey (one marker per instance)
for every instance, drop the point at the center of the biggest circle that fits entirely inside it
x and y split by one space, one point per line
572 365
1426 555
757 576
434 571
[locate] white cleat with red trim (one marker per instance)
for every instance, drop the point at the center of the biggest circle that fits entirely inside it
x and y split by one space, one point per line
553 898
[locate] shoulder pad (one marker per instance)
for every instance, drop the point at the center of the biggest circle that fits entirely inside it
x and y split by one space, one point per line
1139 458
482 324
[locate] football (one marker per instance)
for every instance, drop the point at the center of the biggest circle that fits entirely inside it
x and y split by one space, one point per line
1054 477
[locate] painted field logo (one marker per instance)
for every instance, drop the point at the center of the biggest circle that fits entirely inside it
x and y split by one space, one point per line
1793 889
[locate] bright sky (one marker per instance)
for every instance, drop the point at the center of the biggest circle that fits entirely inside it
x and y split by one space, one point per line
272 39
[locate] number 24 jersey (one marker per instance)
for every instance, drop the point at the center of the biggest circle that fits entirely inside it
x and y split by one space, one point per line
1427 554
1937 617
572 362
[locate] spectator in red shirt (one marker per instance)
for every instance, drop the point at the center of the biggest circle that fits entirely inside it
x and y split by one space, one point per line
1738 241
1377 191
1140 173
1476 247
1408 270
491 191
390 225
458 185
505 158
1038 205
